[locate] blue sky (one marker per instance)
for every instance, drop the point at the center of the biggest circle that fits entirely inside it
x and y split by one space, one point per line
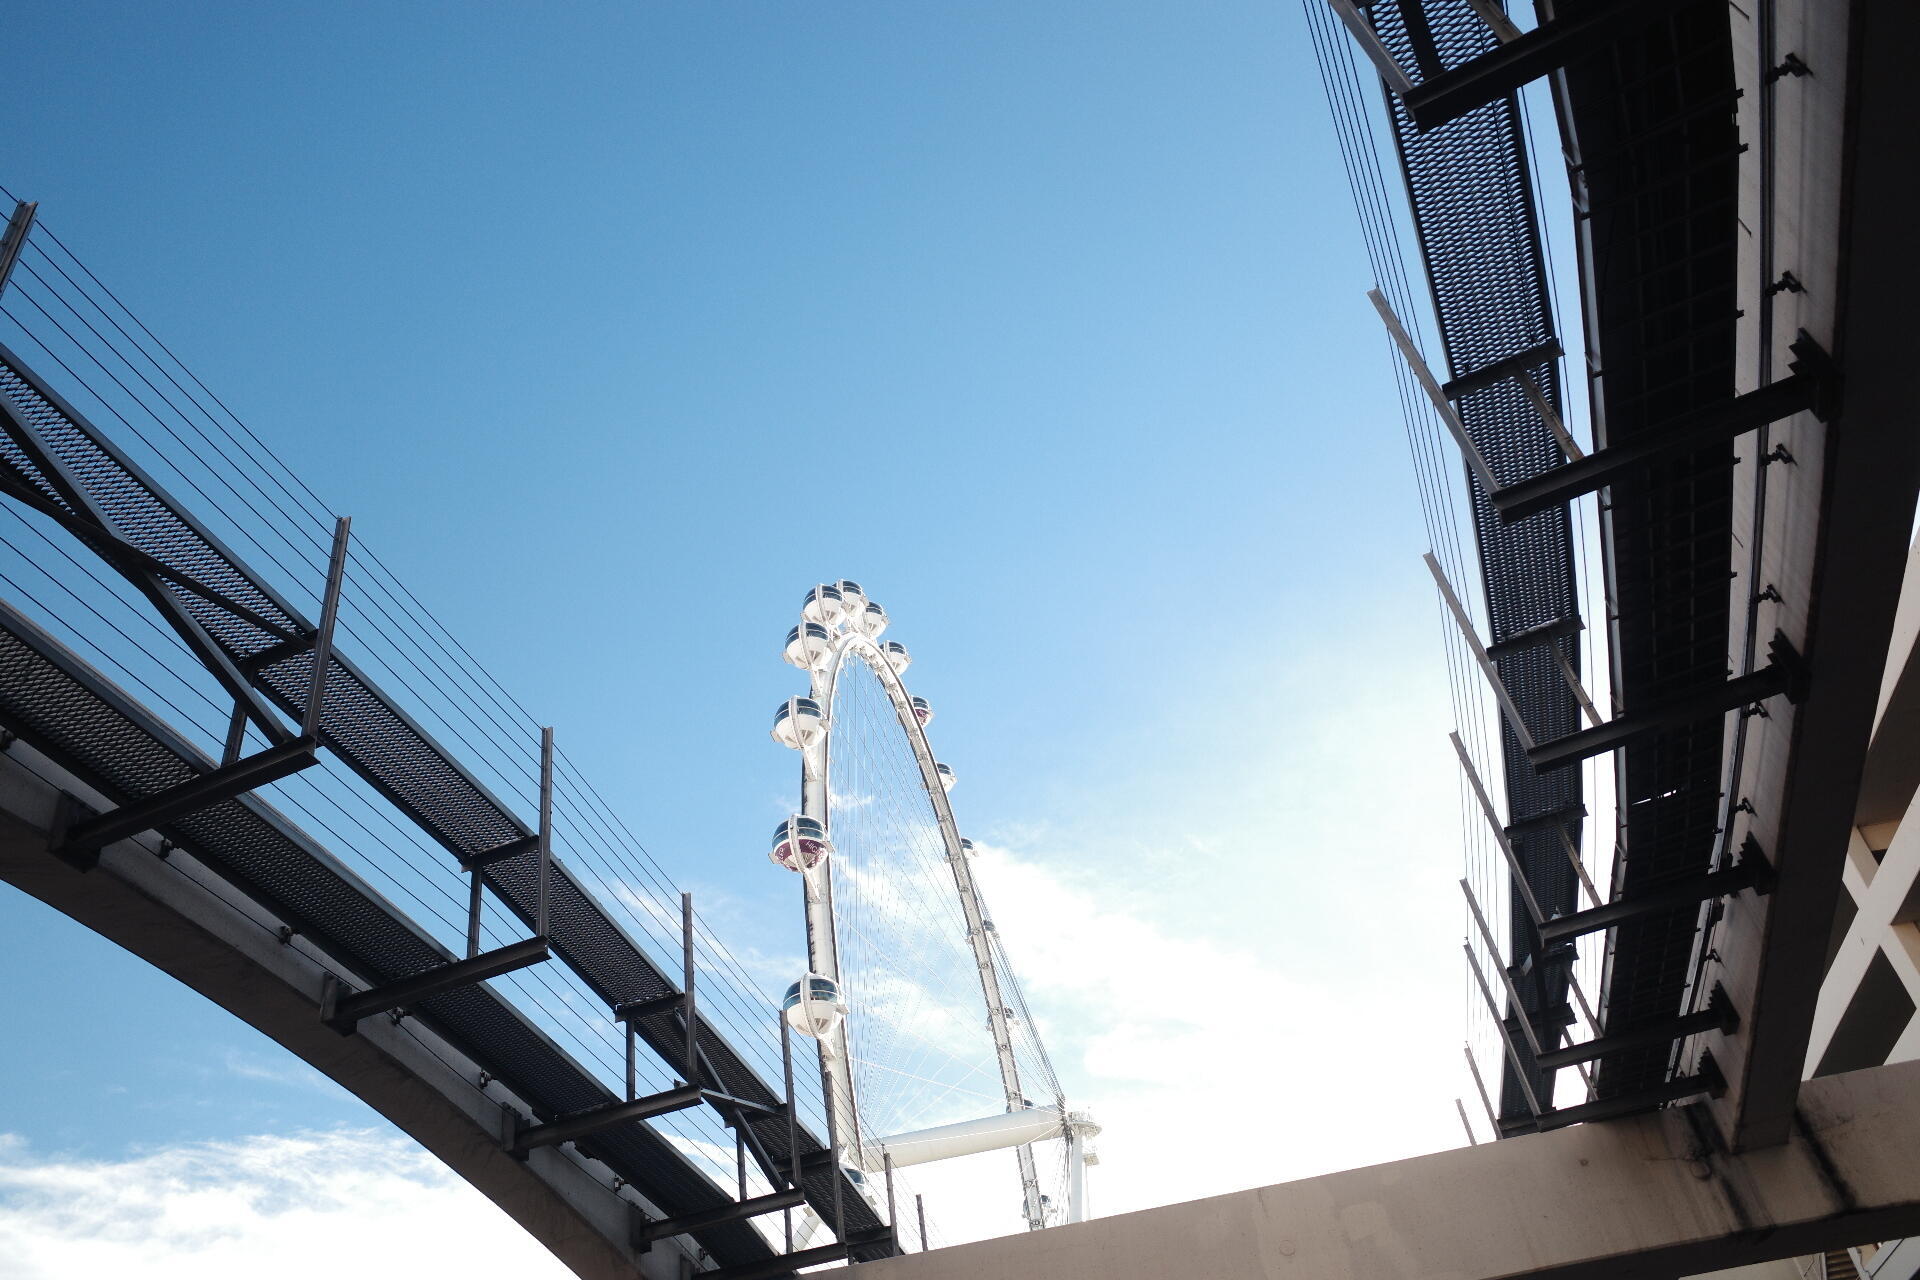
615 326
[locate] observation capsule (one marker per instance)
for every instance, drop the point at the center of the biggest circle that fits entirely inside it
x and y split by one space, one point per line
800 844
808 646
966 846
823 604
872 620
898 655
797 723
946 775
813 1006
922 711
852 598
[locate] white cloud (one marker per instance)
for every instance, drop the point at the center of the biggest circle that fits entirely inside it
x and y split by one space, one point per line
305 1207
1210 1068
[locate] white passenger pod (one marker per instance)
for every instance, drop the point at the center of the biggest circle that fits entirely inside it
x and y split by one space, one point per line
824 605
798 723
813 1006
809 646
852 598
800 844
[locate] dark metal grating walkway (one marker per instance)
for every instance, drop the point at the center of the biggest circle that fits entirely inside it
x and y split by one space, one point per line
1472 197
1652 120
390 751
77 717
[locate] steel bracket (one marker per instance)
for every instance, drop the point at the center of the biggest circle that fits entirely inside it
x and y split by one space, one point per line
500 853
1441 98
342 1010
787 1263
1813 386
209 789
1499 371
1751 871
586 1123
1785 673
1719 1016
647 1230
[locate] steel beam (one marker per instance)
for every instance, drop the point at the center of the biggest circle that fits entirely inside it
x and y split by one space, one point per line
343 1011
1751 872
1709 1019
323 634
1557 486
1783 675
787 1264
1449 416
636 1010
109 546
727 1101
15 238
1546 821
78 497
198 793
1527 56
1513 366
739 1211
1531 636
1706 1081
586 1123
500 853
1369 41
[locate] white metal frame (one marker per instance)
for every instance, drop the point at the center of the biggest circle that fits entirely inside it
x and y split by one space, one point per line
1021 1124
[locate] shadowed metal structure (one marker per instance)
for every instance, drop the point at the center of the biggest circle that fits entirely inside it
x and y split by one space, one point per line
273 661
1751 519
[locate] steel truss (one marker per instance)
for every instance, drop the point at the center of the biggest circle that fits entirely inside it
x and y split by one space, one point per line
274 662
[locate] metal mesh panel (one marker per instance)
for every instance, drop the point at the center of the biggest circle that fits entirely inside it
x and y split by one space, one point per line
1471 194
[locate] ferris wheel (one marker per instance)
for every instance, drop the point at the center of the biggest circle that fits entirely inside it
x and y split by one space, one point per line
920 1022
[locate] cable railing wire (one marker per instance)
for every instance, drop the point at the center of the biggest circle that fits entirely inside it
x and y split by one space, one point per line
451 687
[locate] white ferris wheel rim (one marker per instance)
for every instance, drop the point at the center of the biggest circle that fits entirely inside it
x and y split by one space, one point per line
817 792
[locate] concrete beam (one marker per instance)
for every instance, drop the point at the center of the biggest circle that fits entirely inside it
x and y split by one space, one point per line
1832 532
179 916
1651 1196
1892 773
